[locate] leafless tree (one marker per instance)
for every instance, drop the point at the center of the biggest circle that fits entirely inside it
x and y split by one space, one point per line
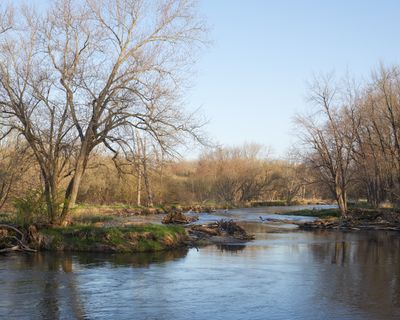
329 136
86 71
6 18
378 149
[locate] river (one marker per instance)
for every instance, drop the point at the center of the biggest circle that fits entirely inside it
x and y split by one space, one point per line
283 274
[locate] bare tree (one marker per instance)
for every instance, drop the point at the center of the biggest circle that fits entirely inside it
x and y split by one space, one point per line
142 162
85 72
329 137
6 18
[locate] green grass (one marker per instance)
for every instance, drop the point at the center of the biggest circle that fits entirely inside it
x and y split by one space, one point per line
322 213
141 238
271 203
91 219
362 204
105 206
8 218
113 206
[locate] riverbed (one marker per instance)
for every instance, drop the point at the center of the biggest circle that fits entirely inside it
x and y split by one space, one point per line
283 274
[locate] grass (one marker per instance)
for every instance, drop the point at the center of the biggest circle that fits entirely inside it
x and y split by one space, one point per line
140 238
362 204
271 203
89 209
85 219
322 213
8 218
105 206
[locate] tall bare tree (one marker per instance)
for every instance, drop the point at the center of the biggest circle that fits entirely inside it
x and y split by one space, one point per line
329 137
85 72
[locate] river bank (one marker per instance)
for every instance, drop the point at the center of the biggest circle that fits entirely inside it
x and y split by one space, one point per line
129 231
148 233
139 238
121 239
356 219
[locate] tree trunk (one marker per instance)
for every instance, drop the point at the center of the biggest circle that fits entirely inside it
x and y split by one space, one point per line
73 186
147 184
342 201
50 194
139 187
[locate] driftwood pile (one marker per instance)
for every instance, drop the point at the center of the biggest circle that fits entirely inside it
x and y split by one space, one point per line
13 239
177 217
222 228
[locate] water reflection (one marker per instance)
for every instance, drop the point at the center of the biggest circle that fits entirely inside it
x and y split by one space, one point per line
231 247
364 271
292 275
47 285
129 260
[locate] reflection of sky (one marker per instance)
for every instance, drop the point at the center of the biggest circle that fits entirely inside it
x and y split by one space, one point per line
297 275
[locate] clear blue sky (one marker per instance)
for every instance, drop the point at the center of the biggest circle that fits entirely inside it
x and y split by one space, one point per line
252 80
254 77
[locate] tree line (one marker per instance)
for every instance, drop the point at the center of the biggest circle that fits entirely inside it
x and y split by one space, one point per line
241 175
351 139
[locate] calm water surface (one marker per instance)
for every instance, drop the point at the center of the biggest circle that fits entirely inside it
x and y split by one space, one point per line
282 275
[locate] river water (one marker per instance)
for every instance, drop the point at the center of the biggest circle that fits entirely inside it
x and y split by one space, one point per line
283 274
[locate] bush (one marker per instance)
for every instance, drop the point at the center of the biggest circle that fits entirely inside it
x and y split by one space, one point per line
31 208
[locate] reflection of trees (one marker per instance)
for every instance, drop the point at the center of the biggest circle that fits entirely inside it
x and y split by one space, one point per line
42 286
231 247
46 286
339 256
368 275
134 260
59 290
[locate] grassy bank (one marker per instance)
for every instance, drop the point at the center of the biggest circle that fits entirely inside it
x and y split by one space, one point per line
140 238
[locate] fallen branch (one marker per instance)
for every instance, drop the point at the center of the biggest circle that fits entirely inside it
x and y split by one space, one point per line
10 243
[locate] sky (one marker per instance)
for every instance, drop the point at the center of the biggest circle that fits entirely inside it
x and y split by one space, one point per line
252 79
